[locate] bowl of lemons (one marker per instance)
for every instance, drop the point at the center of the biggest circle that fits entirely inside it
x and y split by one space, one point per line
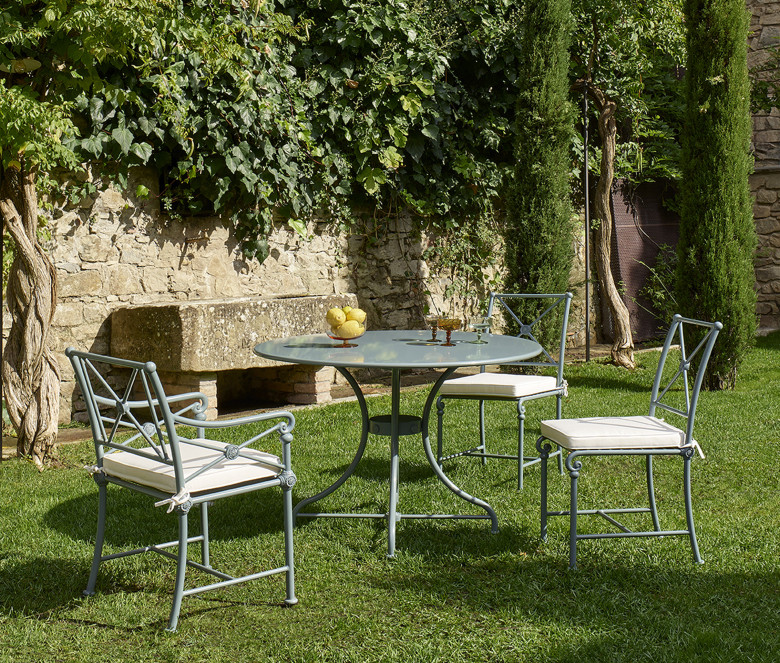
345 324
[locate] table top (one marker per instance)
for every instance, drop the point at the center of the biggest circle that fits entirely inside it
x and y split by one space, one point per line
399 349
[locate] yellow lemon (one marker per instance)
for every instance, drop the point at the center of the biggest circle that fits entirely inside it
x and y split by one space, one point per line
346 309
335 317
350 329
357 314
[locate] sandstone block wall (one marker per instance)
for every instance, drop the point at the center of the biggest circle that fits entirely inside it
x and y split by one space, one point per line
113 251
765 182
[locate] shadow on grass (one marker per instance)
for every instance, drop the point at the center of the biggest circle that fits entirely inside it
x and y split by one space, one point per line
43 586
669 610
378 469
132 519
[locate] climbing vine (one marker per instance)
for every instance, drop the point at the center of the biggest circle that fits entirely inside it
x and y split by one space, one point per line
314 108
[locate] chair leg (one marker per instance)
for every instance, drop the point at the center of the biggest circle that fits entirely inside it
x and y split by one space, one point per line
440 417
688 505
558 413
181 570
204 530
520 436
574 474
482 445
99 537
289 560
544 452
651 493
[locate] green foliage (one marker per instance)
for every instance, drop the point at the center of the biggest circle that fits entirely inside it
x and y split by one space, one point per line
466 254
539 229
765 79
715 278
299 108
634 52
411 100
659 286
250 112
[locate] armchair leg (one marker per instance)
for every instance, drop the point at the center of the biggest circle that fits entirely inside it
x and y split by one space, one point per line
574 474
520 435
181 570
288 547
651 493
99 538
689 507
204 530
482 444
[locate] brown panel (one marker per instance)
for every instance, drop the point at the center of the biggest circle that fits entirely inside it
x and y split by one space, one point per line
642 225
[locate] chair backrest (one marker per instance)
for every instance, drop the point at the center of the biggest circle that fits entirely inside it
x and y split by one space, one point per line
549 304
701 353
124 396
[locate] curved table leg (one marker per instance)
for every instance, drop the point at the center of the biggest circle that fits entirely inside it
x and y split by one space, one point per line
358 455
434 463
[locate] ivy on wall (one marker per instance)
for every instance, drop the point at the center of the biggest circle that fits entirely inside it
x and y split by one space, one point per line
316 107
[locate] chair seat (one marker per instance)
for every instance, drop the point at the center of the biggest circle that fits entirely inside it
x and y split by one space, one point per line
155 474
501 385
643 432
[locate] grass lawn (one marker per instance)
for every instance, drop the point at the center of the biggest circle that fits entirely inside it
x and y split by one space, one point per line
454 592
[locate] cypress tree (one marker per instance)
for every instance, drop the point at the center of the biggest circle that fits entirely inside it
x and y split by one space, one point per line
539 230
715 276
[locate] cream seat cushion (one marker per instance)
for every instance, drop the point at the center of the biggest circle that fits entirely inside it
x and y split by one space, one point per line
642 432
504 385
155 474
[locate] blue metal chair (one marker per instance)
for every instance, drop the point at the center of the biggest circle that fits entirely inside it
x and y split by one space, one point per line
510 387
635 436
139 447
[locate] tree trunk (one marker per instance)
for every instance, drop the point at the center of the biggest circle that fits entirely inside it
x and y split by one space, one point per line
623 341
30 372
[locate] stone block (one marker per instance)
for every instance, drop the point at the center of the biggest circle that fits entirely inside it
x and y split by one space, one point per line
69 314
215 335
87 282
122 281
768 273
93 248
154 280
767 225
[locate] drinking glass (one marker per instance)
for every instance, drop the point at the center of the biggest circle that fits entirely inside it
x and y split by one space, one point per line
433 322
480 325
449 325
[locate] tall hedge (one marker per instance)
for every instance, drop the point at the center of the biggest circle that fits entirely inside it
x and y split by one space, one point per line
715 277
539 217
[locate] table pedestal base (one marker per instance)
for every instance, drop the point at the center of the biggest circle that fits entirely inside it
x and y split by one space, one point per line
395 425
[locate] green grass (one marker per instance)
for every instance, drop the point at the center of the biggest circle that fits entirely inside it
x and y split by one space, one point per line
454 592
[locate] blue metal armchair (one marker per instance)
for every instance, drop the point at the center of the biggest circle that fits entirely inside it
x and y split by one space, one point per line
647 436
518 389
139 447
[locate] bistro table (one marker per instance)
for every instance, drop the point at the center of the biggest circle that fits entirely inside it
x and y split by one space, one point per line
397 351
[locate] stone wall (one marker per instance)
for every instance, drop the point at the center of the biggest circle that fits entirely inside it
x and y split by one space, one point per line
765 182
112 251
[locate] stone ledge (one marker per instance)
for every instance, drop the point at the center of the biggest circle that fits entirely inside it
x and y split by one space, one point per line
215 335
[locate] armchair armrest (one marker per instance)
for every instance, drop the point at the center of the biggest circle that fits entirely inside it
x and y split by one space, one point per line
237 421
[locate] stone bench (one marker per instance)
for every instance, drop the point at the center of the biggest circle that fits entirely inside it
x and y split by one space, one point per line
207 346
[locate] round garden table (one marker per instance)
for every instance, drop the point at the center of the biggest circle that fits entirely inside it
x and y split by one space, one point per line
397 351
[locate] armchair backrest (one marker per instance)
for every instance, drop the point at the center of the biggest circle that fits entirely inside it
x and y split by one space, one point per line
529 326
701 353
124 396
